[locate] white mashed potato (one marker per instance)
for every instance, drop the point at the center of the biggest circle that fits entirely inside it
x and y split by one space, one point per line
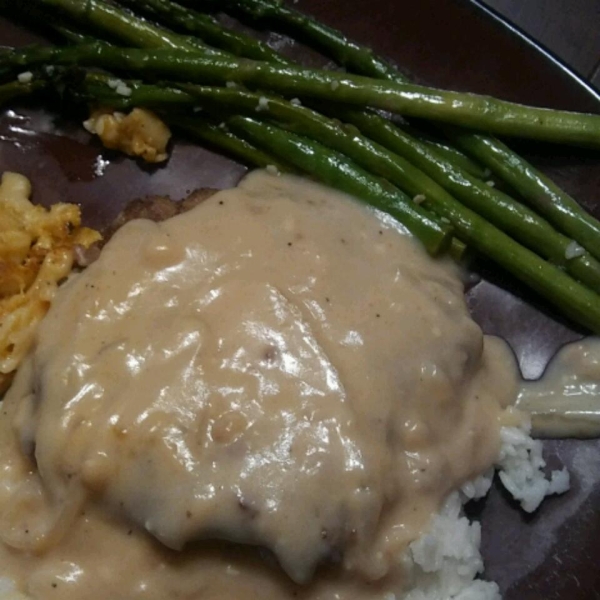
275 395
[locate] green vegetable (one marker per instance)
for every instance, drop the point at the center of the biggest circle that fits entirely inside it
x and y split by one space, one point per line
72 36
325 39
201 129
452 155
570 297
467 109
17 89
34 15
206 28
539 191
122 25
96 89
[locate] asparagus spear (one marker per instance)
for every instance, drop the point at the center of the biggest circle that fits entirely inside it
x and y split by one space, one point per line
453 156
34 15
122 25
72 36
573 299
95 89
27 57
219 137
207 29
540 191
453 107
34 55
325 39
16 89
535 187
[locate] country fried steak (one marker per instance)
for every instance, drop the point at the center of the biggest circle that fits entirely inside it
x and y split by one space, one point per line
157 208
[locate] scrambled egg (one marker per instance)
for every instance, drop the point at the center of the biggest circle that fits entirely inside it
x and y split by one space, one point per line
37 249
140 133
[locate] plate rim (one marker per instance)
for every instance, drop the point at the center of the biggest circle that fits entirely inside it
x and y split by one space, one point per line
536 45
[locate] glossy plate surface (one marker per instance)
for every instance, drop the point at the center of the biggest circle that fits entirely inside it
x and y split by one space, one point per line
452 43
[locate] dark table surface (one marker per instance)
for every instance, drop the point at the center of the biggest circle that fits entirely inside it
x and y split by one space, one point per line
568 28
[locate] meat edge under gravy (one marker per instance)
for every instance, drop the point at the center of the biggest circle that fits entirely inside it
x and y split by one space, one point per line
154 208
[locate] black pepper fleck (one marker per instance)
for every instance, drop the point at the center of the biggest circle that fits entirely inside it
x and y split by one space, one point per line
271 354
221 202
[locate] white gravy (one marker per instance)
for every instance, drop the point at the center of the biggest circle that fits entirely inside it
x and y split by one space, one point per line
267 397
565 401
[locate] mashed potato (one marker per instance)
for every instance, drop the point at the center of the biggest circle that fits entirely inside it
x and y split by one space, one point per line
36 253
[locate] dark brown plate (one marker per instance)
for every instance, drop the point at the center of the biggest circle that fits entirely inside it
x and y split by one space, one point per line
454 43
